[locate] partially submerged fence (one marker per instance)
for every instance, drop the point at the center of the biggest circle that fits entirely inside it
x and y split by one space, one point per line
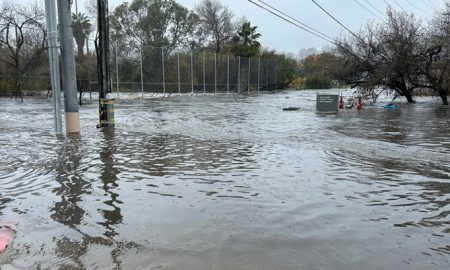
157 70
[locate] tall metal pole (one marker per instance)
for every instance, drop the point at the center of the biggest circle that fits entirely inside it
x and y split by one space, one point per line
276 78
52 39
204 76
88 69
163 74
228 74
106 103
192 72
117 72
215 73
72 114
239 75
142 75
259 71
178 65
267 74
249 74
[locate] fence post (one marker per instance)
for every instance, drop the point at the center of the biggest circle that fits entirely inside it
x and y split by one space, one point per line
204 78
276 78
142 76
239 75
163 75
215 73
267 74
228 74
178 65
259 70
117 74
192 72
249 74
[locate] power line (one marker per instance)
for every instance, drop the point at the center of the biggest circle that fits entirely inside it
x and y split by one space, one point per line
430 4
336 20
305 25
293 23
416 7
374 7
395 1
368 10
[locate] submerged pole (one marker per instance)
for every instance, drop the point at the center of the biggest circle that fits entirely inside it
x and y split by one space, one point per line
192 72
142 73
215 73
259 70
228 74
106 104
163 68
239 75
204 76
72 114
249 74
178 72
52 38
117 73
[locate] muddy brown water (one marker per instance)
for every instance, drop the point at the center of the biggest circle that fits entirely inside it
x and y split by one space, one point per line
227 182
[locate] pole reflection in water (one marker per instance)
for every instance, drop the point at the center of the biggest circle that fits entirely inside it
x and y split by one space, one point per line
108 177
74 191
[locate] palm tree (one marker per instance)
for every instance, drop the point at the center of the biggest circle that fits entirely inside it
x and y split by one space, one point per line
246 41
81 29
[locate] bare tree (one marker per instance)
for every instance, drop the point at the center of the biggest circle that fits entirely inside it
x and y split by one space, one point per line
24 39
437 54
385 56
216 22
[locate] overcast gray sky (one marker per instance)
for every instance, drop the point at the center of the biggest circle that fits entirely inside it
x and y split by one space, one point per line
284 37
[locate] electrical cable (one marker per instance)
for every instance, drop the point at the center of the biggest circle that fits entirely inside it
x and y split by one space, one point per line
395 1
374 7
368 10
293 23
336 20
416 7
305 25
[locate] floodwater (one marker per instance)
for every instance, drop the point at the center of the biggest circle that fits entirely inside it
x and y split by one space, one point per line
227 182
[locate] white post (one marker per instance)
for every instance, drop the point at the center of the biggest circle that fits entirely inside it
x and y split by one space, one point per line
239 75
142 76
163 75
228 74
178 65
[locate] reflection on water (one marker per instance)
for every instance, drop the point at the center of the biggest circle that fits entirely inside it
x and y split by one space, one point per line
227 182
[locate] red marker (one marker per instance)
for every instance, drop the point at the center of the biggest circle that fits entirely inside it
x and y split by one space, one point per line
6 234
360 104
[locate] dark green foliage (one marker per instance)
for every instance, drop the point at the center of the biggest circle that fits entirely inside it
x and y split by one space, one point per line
245 42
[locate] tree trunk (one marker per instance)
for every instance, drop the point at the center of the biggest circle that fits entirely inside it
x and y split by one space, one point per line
443 95
409 97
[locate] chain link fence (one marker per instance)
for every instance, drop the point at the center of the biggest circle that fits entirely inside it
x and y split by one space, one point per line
147 70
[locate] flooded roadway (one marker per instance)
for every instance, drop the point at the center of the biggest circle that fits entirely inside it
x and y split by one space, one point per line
227 182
